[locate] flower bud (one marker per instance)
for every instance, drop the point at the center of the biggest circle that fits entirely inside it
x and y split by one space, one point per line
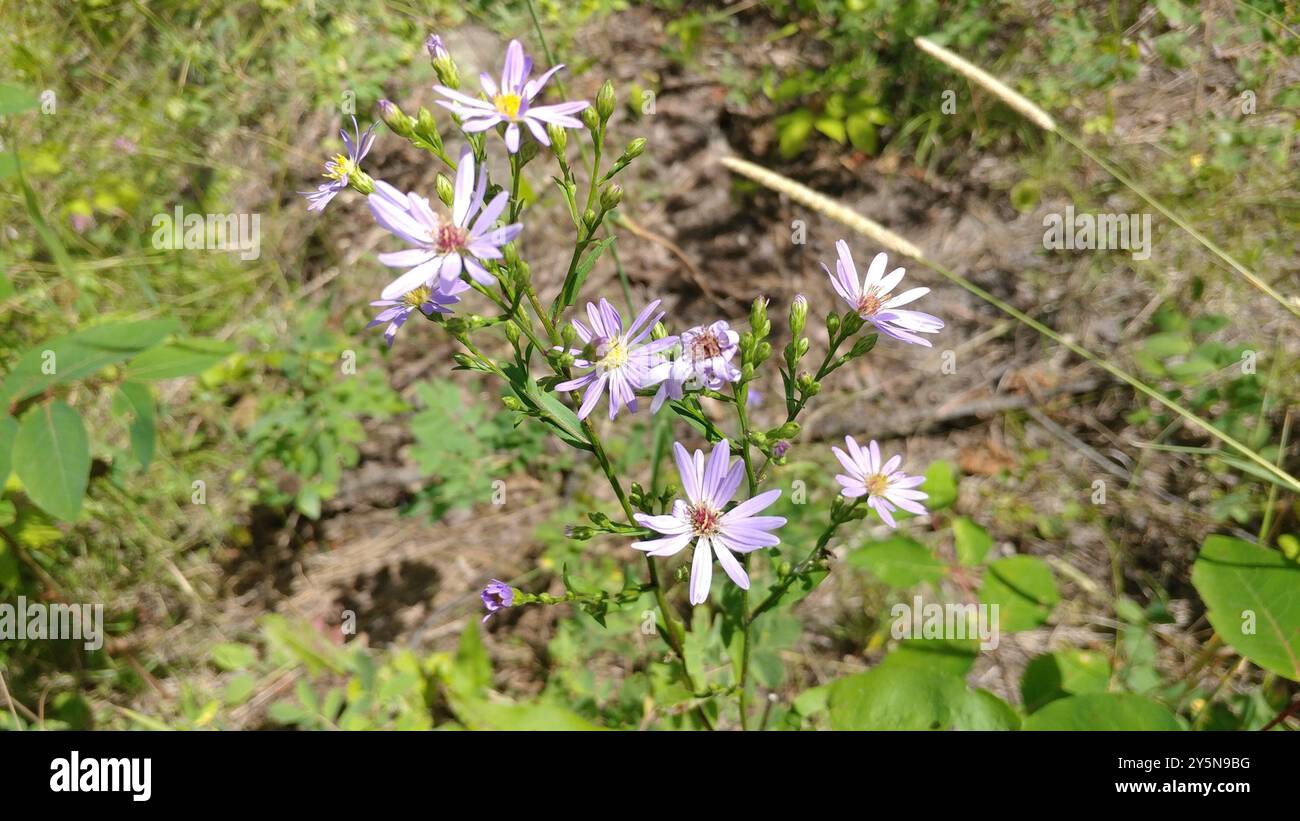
852 322
559 138
590 119
446 191
660 331
605 101
512 333
610 196
437 51
634 149
397 122
512 403
863 345
798 314
589 218
758 317
762 352
832 324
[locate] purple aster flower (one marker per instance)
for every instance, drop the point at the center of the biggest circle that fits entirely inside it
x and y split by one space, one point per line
886 487
511 101
704 362
621 361
872 299
443 248
699 518
433 297
340 169
497 596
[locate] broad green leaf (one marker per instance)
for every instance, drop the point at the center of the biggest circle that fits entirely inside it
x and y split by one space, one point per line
1103 711
472 671
180 357
1066 672
239 689
941 484
1024 590
231 656
973 542
80 354
897 697
8 431
52 458
981 710
14 99
899 562
954 656
1253 597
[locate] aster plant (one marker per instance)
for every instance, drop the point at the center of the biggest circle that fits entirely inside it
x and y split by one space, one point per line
464 266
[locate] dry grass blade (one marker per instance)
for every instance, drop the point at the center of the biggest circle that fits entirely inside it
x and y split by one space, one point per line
1044 121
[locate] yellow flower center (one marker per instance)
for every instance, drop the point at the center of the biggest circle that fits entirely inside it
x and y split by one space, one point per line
417 297
877 483
340 167
507 104
613 354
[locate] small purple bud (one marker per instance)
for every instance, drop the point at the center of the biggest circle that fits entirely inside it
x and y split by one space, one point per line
497 596
436 49
780 449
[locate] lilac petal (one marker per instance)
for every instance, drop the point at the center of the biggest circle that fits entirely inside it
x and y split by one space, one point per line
686 469
727 487
591 397
464 188
877 270
489 214
477 124
535 85
716 470
670 525
464 99
477 272
451 265
667 546
575 384
512 73
407 257
890 281
489 84
701 571
410 280
512 138
849 464
730 565
748 508
539 131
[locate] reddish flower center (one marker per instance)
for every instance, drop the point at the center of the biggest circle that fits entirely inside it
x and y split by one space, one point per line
869 304
704 519
450 238
706 346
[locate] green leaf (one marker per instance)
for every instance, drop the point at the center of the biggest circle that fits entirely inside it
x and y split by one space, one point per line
1103 711
239 689
862 132
955 656
1253 598
1024 590
793 131
832 127
473 669
52 457
14 99
573 284
897 697
8 432
981 710
941 484
180 357
231 656
1066 672
80 354
973 542
143 435
899 562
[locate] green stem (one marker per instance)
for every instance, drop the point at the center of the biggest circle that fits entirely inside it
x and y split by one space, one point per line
839 515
